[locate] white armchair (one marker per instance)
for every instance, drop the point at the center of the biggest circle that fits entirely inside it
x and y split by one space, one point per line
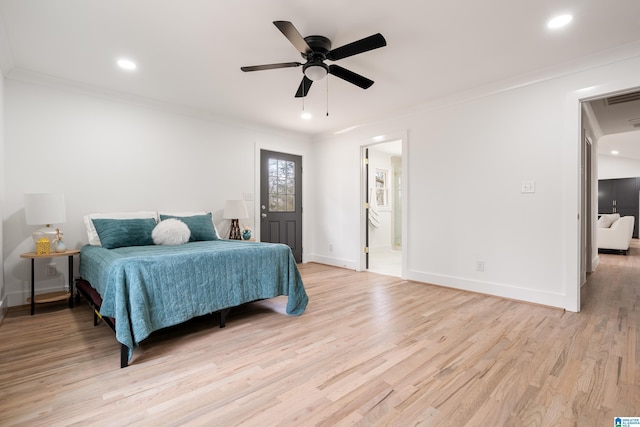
618 235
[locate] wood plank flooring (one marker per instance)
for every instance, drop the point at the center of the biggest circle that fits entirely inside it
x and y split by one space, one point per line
369 350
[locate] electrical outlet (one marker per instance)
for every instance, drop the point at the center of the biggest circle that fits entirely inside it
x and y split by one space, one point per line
51 269
330 248
480 266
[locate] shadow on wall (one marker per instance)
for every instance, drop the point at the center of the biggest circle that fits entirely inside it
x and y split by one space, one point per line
18 240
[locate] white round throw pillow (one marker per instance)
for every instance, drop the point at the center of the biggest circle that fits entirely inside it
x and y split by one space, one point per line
171 231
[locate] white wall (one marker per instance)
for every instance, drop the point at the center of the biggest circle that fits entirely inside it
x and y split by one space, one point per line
610 167
465 164
335 235
107 155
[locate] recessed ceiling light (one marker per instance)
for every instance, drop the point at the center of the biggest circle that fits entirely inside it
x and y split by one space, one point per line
126 64
559 21
305 115
615 152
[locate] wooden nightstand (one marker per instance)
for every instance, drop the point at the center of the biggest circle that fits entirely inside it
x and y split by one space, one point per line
52 296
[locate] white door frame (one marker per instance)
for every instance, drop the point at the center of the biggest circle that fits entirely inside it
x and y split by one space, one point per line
368 143
573 160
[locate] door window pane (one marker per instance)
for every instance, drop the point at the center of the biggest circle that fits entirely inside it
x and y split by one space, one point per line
281 185
273 167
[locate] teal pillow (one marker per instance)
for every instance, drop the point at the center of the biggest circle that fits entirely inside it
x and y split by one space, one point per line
201 226
116 233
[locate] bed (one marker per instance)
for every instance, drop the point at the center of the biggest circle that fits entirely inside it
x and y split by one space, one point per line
144 288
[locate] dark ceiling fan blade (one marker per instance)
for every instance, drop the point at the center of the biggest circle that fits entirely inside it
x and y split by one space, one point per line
271 66
350 76
291 33
304 87
363 45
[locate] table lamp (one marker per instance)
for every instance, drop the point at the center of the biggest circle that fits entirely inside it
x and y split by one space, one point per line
47 209
233 210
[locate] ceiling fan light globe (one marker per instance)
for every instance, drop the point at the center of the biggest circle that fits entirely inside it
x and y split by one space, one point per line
315 72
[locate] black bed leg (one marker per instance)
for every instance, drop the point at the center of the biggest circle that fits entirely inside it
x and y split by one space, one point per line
124 356
223 317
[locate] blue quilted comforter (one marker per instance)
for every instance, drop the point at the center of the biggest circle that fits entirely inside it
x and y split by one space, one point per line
146 288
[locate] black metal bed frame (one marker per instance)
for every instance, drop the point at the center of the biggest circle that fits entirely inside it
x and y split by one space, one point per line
84 289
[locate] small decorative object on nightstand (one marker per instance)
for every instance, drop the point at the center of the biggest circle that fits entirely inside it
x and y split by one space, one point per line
43 246
246 233
58 244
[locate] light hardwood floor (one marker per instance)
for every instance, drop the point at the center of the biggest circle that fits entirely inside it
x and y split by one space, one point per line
369 350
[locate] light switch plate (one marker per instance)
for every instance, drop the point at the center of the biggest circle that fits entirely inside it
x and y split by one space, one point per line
528 187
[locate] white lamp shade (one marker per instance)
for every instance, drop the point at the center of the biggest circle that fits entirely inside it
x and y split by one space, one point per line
44 208
235 209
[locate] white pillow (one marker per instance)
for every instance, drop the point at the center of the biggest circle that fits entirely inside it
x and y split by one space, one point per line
92 234
171 231
606 220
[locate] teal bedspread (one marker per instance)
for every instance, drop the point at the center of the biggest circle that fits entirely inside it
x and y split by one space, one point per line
146 288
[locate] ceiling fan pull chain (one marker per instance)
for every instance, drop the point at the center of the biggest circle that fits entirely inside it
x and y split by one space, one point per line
327 96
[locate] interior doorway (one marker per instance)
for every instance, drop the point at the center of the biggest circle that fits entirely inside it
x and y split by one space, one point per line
610 149
384 208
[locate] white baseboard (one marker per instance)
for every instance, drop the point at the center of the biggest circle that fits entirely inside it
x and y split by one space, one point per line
335 262
551 299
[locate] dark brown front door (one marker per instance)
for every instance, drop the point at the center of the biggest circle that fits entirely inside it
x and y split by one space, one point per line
281 200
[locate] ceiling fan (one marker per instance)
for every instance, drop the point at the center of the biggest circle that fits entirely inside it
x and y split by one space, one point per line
315 50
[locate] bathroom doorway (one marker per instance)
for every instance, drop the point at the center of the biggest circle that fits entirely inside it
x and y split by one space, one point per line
384 195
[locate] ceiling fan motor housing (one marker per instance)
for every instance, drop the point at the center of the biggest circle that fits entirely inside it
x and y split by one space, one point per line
315 68
320 47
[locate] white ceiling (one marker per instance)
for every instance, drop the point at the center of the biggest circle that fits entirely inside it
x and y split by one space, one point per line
619 124
189 52
627 145
618 116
